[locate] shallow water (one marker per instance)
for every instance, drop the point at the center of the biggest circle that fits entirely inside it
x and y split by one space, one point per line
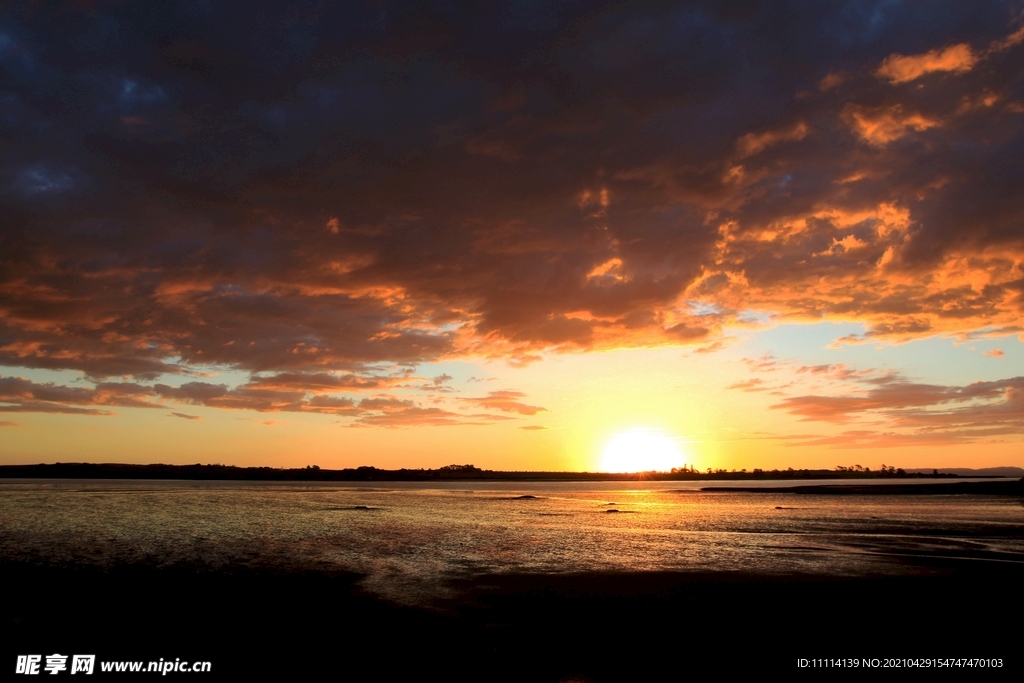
410 540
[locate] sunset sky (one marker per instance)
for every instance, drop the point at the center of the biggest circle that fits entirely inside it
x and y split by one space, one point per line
415 234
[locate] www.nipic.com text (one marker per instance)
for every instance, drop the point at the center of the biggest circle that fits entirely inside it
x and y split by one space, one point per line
32 665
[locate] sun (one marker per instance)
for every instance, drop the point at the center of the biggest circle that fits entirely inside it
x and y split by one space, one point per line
641 450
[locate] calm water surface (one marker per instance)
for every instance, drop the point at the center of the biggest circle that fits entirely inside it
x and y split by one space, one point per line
409 539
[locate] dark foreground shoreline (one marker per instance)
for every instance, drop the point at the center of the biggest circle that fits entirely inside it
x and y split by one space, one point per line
301 622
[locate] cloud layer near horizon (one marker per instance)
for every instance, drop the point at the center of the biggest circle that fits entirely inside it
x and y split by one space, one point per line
884 407
313 194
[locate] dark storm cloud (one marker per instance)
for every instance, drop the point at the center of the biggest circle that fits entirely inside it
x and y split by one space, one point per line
311 193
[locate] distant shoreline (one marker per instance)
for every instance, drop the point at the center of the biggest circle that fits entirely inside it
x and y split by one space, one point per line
1008 487
464 473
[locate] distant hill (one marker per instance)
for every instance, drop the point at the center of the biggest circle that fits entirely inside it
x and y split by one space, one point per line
968 472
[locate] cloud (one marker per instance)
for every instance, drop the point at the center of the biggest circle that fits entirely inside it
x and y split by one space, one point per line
688 332
919 411
323 381
523 359
841 371
990 333
883 408
414 416
533 427
438 385
506 401
957 59
752 143
902 69
879 127
711 348
749 385
193 392
315 204
837 409
766 363
1015 38
8 423
23 395
994 353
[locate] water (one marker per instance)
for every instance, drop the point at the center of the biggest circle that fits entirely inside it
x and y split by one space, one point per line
411 540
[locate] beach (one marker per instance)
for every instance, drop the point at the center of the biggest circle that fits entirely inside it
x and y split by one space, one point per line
286 600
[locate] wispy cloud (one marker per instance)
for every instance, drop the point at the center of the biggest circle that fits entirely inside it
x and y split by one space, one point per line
912 411
507 401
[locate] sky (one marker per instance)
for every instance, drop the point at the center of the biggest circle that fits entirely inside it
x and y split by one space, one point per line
407 234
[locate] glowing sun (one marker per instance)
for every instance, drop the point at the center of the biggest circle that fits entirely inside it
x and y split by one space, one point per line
640 450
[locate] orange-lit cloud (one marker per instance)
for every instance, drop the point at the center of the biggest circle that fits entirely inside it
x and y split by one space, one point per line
25 396
880 127
22 395
755 384
313 221
506 401
902 69
911 410
414 416
752 143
